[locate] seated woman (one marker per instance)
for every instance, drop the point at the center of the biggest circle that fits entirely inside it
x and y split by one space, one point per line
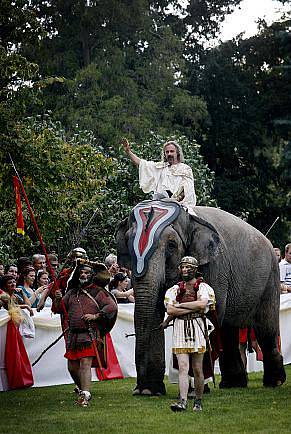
119 288
25 291
7 294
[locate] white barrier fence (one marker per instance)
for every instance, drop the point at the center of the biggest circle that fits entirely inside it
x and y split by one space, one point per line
52 368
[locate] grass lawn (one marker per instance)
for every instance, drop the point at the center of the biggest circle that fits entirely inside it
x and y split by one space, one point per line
114 410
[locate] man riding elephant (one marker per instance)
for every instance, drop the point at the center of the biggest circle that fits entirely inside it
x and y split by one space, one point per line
170 177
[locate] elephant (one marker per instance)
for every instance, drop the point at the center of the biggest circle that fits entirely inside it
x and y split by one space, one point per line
236 260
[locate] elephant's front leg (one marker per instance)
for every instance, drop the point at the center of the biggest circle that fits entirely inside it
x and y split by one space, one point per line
149 354
156 362
233 373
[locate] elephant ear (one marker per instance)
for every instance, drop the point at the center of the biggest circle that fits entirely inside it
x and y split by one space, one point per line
123 256
204 241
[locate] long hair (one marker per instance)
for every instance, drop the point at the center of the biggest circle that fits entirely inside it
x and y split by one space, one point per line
179 150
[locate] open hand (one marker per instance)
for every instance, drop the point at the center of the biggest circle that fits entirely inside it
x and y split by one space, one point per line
125 144
90 317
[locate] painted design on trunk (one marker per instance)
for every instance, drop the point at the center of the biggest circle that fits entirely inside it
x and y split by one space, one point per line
150 219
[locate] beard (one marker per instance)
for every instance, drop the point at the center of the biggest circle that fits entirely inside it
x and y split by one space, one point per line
83 281
170 159
186 277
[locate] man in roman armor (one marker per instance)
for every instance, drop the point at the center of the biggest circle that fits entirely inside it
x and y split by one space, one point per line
63 277
188 302
91 312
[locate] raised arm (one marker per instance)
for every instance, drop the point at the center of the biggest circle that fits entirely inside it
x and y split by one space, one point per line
134 158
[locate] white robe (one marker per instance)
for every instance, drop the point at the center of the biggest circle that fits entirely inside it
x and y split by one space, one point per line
180 343
159 176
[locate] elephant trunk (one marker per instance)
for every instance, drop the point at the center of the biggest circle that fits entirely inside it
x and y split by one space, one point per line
149 351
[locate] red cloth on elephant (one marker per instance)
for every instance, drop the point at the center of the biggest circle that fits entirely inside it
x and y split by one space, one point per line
248 334
18 368
243 335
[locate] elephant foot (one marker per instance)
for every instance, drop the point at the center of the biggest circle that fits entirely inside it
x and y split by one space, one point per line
227 385
234 382
136 392
275 381
146 392
274 372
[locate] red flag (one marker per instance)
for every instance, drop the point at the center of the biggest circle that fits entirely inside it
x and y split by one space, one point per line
18 368
113 370
19 215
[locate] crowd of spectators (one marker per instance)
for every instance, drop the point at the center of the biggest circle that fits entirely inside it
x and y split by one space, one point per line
285 268
27 281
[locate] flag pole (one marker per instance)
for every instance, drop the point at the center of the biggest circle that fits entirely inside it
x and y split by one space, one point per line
51 270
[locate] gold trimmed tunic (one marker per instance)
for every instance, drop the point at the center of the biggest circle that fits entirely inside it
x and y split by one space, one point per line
188 334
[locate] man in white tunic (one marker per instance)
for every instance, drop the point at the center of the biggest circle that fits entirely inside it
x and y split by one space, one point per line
285 270
187 302
170 177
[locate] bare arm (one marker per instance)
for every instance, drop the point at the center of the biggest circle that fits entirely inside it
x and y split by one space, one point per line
193 305
124 294
24 296
43 298
57 301
27 307
176 311
134 158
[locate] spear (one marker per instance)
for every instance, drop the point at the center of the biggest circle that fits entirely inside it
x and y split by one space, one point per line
84 230
272 225
152 330
50 346
51 270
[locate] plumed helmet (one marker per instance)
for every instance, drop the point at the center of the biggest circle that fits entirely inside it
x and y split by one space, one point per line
189 260
78 252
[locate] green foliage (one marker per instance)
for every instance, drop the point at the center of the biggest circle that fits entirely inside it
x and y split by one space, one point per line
109 69
63 181
112 99
123 64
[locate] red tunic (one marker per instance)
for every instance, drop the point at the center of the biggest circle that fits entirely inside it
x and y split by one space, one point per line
77 303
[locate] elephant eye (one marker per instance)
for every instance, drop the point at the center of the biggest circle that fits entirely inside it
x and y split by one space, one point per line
172 245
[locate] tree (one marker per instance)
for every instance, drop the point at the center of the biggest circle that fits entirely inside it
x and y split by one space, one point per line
123 64
64 183
246 84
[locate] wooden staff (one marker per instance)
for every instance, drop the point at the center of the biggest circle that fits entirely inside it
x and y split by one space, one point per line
51 270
